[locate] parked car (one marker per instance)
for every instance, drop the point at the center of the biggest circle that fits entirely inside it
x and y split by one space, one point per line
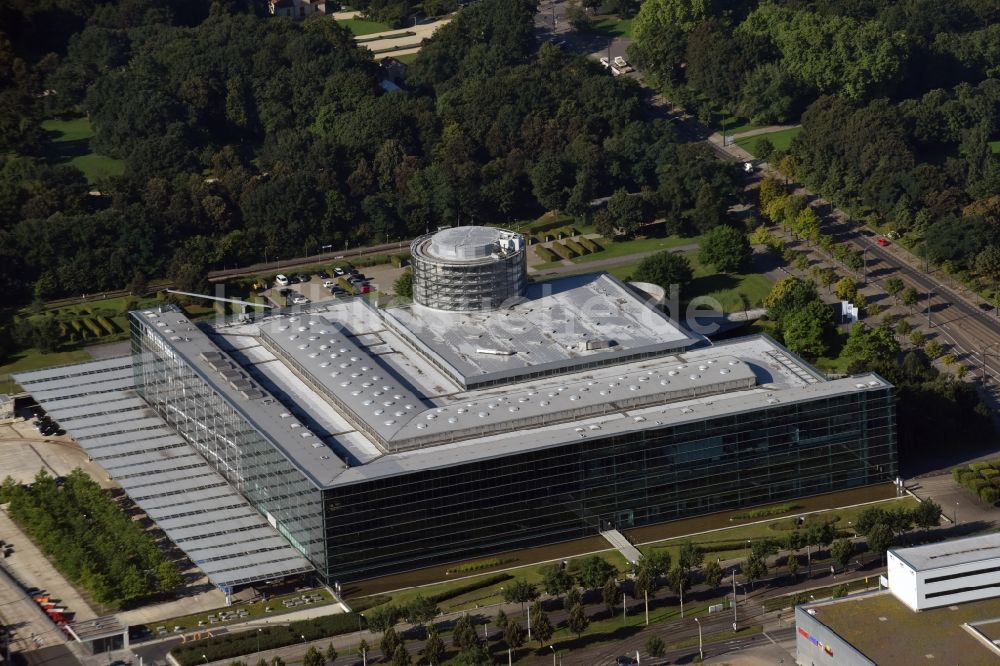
286 291
281 280
356 280
329 283
625 661
299 299
304 277
354 271
322 275
882 242
339 272
366 288
337 290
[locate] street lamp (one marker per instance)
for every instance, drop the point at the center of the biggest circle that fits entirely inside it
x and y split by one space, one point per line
956 512
985 349
864 264
205 658
303 637
553 648
258 642
701 653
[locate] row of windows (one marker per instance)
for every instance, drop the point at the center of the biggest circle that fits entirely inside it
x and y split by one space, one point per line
569 491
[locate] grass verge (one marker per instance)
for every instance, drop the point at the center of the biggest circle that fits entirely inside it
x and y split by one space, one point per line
359 26
612 26
782 140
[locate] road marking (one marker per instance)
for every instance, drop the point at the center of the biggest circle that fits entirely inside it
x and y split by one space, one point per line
768 637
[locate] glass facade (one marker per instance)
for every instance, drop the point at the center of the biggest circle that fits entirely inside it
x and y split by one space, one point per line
466 285
628 480
224 435
558 493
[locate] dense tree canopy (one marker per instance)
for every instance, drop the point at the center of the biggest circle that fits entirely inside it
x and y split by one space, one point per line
249 138
899 103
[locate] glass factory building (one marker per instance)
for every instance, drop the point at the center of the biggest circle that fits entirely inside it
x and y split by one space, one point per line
380 440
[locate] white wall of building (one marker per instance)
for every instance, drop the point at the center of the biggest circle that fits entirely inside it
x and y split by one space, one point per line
921 590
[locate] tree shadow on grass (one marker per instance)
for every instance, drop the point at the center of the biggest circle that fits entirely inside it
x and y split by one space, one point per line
708 284
63 151
619 634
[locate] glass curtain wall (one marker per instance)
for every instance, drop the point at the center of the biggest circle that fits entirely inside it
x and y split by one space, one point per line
251 463
480 285
621 481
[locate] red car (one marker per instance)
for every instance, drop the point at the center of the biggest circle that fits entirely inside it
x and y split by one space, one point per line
882 242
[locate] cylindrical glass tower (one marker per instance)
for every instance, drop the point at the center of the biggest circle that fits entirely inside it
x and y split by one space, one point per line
468 268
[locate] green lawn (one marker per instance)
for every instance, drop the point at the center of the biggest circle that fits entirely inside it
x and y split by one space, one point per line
32 359
776 529
407 58
614 249
995 147
725 288
488 595
71 145
733 125
362 27
612 26
781 139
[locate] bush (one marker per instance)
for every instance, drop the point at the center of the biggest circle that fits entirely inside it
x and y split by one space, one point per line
400 260
545 254
988 473
469 587
590 244
989 494
563 251
363 604
92 326
576 247
107 325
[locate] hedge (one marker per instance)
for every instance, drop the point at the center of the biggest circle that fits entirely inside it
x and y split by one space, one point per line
233 645
469 587
989 494
563 251
92 326
545 253
590 244
554 223
107 325
576 247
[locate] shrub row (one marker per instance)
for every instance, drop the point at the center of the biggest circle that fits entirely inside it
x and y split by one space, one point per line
766 511
545 253
576 247
590 244
483 564
469 587
982 479
92 326
233 645
563 251
554 223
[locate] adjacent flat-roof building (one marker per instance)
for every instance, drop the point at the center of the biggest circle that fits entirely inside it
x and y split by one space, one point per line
959 626
946 573
378 440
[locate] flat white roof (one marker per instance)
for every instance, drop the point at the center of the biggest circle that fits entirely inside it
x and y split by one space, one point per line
950 553
561 325
347 397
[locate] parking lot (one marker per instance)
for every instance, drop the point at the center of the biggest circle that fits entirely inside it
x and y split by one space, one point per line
380 278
